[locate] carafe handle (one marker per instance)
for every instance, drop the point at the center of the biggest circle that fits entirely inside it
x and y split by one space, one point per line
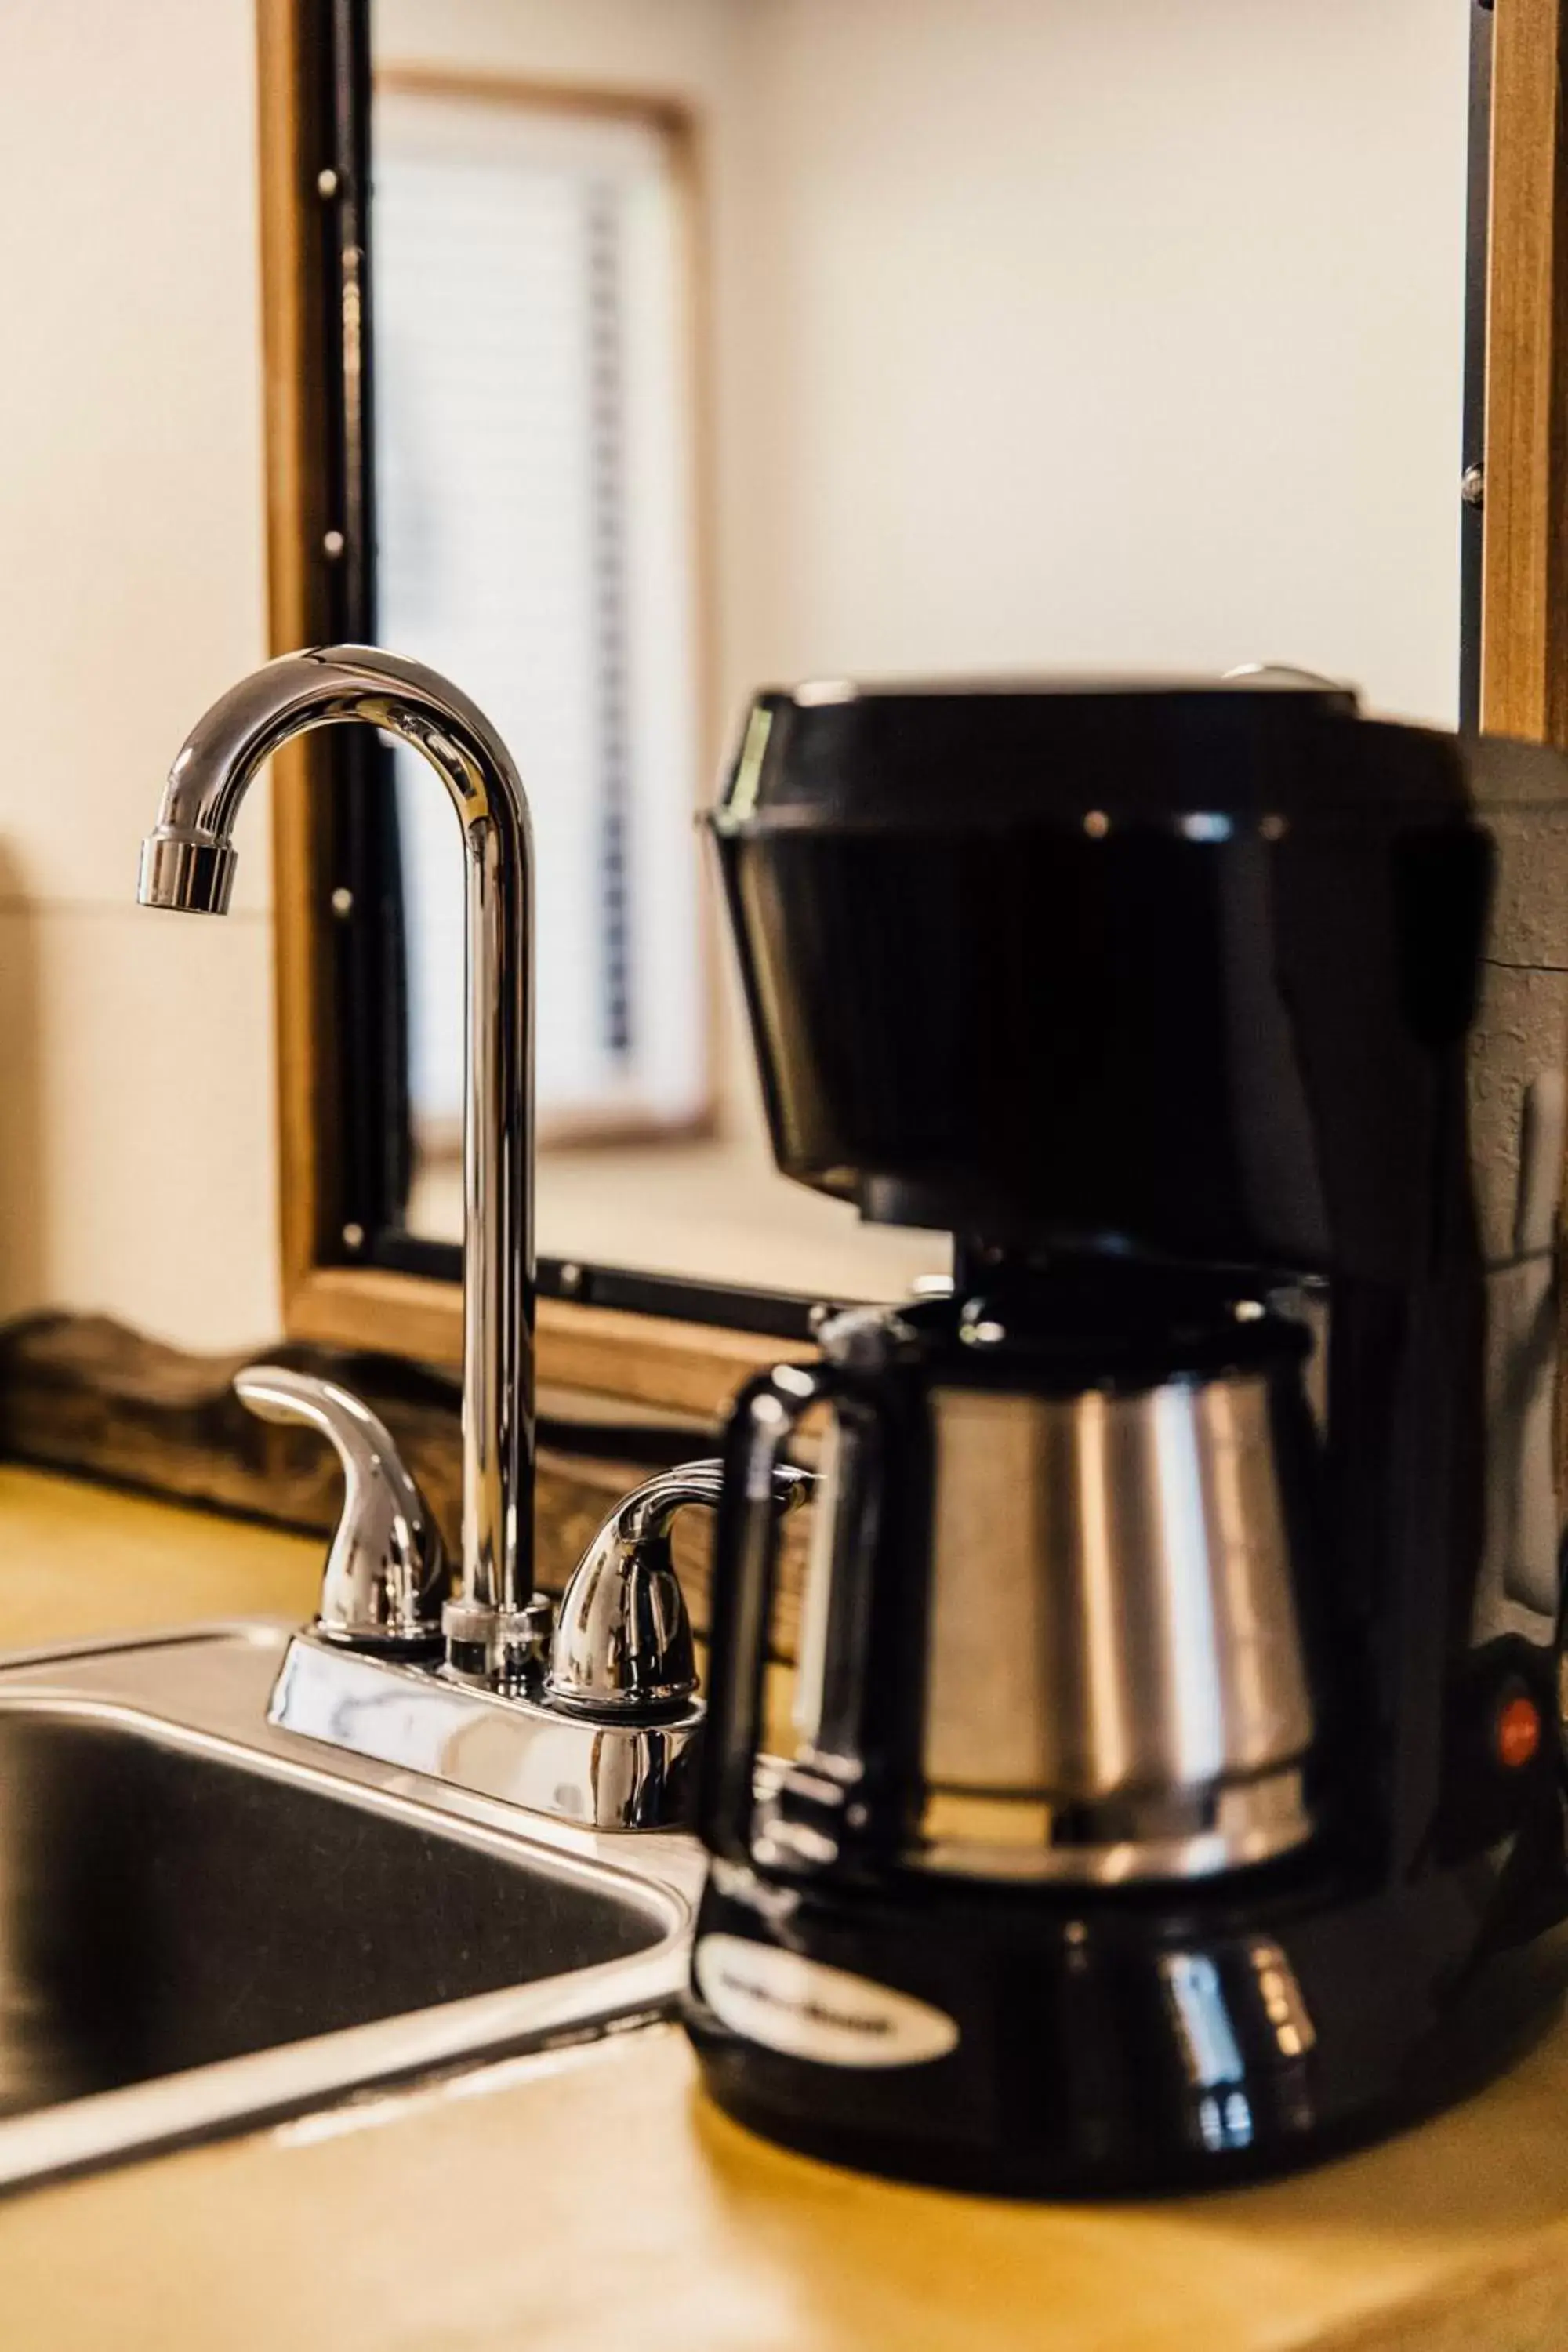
746 1560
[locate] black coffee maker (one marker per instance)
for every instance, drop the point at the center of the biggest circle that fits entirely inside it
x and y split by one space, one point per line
1176 1726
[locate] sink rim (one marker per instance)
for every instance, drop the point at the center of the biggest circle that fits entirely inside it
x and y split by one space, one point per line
654 1873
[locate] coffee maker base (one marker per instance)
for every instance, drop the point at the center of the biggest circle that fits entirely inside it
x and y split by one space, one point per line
985 2040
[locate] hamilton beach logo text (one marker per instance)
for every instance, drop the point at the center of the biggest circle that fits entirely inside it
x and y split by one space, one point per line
844 2021
807 2009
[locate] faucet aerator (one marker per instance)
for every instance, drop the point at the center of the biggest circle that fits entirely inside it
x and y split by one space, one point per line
188 873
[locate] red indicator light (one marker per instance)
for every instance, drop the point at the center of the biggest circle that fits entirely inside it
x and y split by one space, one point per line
1517 1731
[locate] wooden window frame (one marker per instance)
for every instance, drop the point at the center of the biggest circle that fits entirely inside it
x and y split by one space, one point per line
1524 617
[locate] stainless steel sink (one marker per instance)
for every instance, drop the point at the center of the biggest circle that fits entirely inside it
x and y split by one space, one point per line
206 1920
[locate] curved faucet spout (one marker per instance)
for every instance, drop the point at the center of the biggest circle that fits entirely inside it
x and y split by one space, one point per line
187 863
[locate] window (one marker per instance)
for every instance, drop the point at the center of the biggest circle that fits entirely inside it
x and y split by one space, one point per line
536 542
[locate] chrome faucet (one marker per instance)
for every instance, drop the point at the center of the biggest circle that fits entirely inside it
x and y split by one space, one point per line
592 1715
496 1627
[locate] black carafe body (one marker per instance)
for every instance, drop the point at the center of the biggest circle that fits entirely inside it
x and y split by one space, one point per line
1177 1731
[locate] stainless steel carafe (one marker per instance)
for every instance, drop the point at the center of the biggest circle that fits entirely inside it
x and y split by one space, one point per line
1096 1669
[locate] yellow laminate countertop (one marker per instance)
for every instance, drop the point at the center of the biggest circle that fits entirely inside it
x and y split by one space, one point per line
591 2201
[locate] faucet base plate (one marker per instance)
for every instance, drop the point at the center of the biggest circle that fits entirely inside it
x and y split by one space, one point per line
601 1774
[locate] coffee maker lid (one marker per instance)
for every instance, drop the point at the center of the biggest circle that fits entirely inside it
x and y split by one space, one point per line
889 756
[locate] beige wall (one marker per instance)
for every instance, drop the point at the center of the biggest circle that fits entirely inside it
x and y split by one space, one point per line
136 1130
1125 335
1220 427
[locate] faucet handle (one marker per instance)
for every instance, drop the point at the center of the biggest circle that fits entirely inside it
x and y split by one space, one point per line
387 1573
622 1644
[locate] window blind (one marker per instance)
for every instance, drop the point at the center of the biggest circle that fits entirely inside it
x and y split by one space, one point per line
532 422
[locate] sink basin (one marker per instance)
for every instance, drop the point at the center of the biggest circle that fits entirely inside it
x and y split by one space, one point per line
162 1908
205 1920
